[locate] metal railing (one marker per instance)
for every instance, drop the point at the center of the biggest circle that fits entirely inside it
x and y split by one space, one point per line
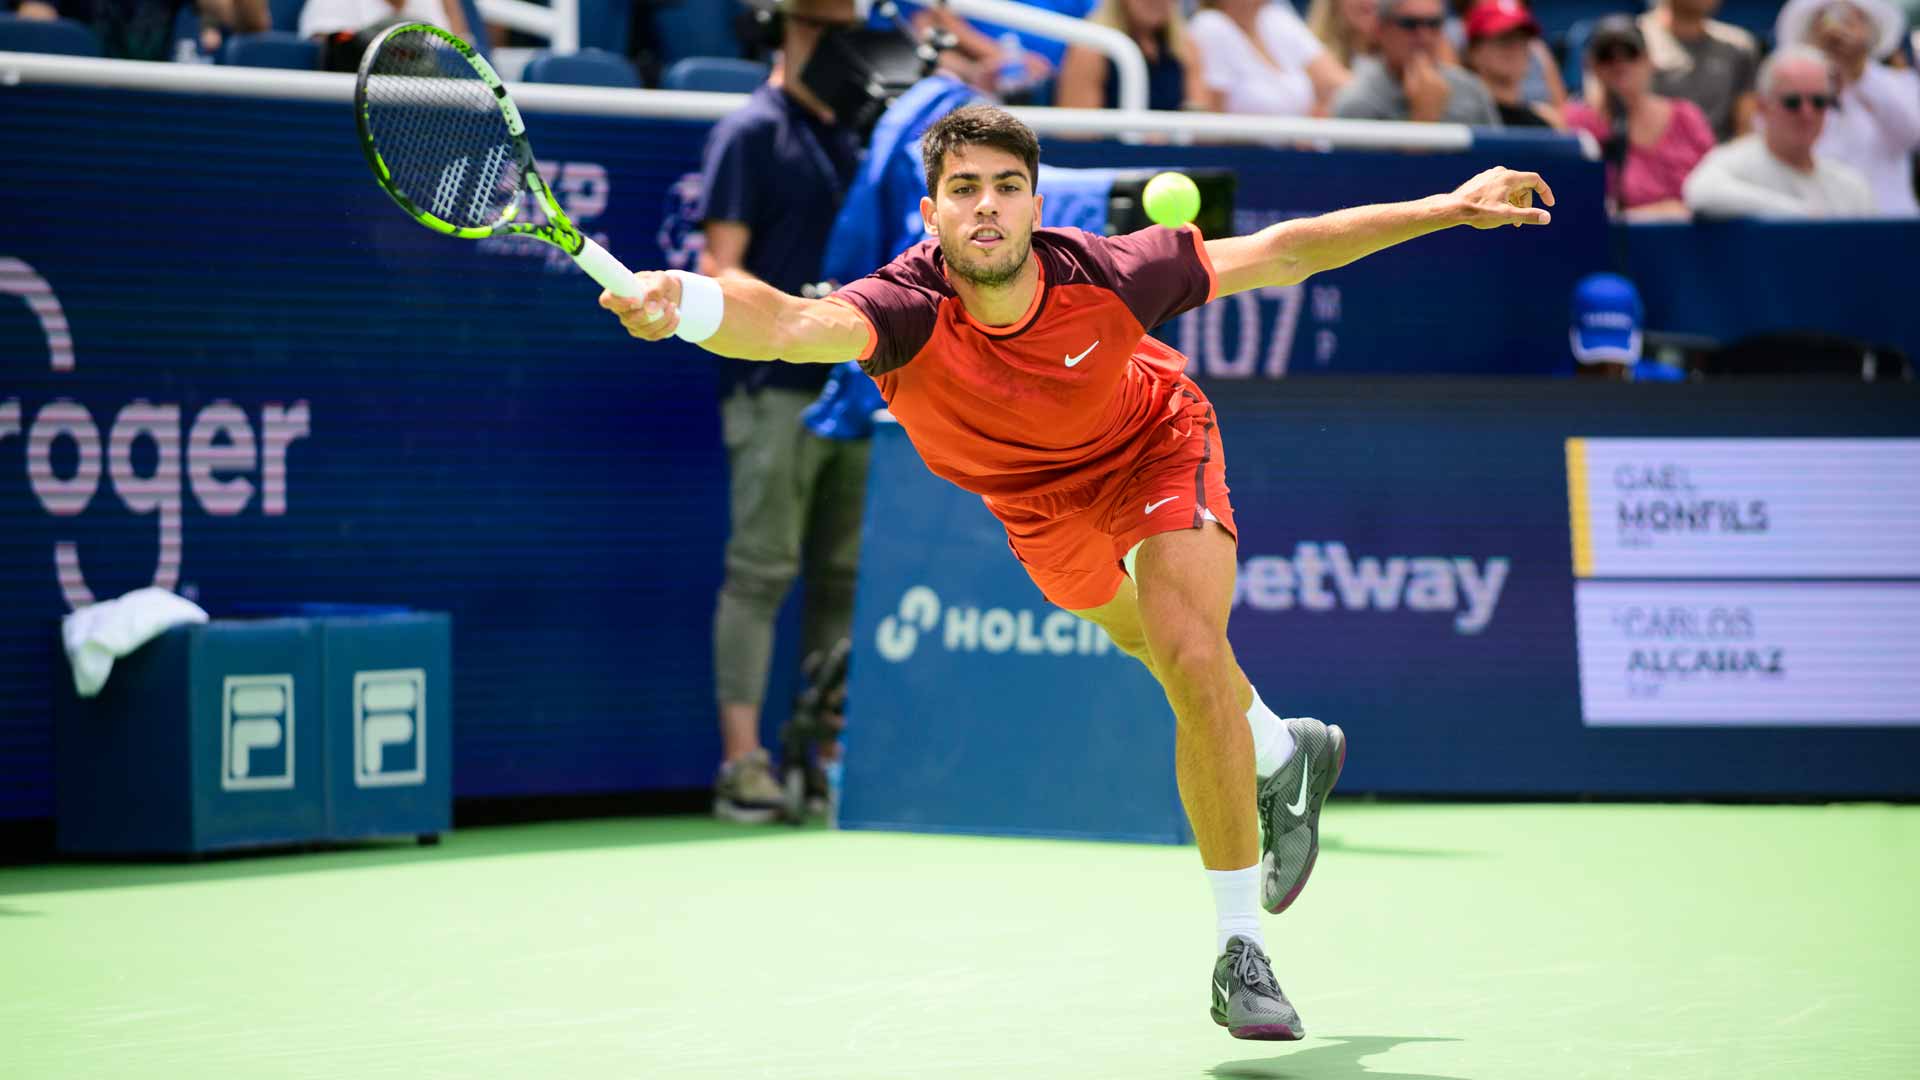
1128 64
559 24
35 69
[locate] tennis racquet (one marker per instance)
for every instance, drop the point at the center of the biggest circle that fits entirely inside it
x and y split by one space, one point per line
446 142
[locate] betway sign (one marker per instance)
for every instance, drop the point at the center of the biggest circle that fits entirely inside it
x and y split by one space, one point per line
1325 576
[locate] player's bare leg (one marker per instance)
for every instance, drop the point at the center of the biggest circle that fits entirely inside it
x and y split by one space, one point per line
1299 753
1185 590
1120 618
1297 761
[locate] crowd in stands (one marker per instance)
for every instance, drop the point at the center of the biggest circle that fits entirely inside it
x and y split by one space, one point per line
1816 115
1694 116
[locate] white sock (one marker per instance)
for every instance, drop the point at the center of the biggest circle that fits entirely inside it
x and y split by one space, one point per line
1236 906
1272 742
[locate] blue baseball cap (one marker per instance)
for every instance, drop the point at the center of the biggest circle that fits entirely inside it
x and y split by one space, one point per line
1606 320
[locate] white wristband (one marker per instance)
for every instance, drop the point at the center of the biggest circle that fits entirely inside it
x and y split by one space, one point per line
702 305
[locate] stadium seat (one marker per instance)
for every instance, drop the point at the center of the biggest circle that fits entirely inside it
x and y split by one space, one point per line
714 74
588 67
273 49
1573 58
63 37
694 28
285 14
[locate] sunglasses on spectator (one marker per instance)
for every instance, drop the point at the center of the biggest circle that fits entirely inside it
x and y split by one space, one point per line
1613 54
1411 22
1820 102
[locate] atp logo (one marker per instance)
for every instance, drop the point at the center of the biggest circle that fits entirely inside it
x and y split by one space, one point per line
218 459
681 240
584 191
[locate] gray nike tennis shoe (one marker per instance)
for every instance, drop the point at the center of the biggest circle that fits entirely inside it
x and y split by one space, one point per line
1247 1000
1290 803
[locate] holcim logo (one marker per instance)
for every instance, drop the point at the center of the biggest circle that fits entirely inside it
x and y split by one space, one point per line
221 451
989 630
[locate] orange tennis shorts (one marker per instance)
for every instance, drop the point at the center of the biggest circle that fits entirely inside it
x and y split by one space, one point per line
1073 542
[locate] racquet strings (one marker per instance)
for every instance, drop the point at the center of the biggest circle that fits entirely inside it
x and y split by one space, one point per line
438 128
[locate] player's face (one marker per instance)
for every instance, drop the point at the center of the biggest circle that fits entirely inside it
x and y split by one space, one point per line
984 214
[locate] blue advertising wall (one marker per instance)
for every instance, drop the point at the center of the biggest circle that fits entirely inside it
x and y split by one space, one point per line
460 428
233 368
1470 687
431 422
1728 279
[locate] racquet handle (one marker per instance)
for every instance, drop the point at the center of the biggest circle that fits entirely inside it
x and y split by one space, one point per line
610 272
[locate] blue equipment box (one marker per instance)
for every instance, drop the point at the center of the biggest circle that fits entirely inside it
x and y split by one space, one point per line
250 733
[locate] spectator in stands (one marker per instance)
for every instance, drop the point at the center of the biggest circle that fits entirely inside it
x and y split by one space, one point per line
1259 57
143 29
1542 85
774 174
1174 76
1650 142
323 19
1349 29
1876 126
1709 63
1605 334
1501 35
1014 65
1776 173
1408 80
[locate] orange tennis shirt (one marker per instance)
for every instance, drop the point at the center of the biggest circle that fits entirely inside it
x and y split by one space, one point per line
1059 398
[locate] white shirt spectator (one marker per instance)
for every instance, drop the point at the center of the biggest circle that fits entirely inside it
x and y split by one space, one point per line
1248 81
1744 179
320 17
1876 130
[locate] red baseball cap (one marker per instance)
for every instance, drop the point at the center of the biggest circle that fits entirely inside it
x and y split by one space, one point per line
1492 18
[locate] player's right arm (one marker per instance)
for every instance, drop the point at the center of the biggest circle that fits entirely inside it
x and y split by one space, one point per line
758 321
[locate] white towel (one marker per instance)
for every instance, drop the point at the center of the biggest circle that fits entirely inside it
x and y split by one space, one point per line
99 634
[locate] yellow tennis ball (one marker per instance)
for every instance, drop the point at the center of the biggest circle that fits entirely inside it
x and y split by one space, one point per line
1171 199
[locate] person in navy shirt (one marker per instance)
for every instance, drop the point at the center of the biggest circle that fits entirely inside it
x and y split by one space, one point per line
774 174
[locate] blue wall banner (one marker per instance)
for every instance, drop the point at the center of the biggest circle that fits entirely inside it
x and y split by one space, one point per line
1406 570
244 375
248 377
236 370
1462 301
1728 279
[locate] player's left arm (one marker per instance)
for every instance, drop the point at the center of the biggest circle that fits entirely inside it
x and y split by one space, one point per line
1292 251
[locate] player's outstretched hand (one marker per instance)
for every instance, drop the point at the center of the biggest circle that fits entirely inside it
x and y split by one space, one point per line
651 313
1501 196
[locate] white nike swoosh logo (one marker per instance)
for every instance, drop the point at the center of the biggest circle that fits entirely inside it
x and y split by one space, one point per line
1152 506
1222 987
1072 360
1299 805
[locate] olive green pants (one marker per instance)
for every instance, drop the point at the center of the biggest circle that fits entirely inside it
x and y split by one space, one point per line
796 504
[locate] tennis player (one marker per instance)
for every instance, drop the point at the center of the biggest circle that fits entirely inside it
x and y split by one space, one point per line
1018 361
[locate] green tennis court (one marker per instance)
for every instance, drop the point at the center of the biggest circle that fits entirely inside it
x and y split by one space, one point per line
1436 941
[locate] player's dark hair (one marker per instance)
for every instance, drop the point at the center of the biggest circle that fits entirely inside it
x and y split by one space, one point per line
978 125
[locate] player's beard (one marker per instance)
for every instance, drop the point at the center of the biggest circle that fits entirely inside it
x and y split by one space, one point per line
981 272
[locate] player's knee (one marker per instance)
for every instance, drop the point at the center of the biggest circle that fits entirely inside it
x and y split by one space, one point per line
1195 660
